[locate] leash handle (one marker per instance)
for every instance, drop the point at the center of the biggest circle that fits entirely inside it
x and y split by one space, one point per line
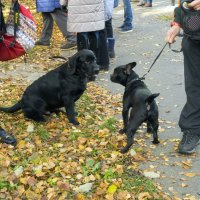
174 50
143 77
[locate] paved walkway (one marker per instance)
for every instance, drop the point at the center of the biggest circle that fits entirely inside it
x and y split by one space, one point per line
179 175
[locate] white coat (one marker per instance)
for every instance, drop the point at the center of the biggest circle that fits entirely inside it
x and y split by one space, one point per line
85 15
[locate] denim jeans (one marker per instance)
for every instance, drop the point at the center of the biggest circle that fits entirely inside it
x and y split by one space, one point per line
128 14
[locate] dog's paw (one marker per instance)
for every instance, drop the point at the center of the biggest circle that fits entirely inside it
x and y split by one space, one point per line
124 150
75 123
156 141
122 131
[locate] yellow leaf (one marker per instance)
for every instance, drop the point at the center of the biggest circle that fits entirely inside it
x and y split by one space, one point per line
190 174
21 144
144 195
39 173
112 189
80 197
23 180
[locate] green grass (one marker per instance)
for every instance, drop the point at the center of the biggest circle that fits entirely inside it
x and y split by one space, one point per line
90 167
134 181
110 124
42 133
9 186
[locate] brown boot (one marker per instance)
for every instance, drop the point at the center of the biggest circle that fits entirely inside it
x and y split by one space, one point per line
148 5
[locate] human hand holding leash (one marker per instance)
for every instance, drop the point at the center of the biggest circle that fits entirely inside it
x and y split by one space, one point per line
172 33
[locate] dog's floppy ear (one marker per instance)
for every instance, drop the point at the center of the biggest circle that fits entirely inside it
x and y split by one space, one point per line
129 67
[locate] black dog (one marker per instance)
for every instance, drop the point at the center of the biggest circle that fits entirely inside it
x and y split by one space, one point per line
138 97
61 87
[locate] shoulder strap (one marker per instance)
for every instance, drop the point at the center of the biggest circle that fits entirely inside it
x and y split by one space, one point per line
16 9
2 22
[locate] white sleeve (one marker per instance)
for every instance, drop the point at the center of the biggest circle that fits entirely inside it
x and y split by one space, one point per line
63 2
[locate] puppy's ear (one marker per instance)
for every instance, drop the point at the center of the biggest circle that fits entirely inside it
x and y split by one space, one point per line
129 67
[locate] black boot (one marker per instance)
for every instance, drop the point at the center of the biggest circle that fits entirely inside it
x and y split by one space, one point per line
7 138
111 46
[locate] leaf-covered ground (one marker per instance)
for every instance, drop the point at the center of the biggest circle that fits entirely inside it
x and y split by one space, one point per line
57 160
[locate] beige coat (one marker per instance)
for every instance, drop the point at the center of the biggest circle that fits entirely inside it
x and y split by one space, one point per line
85 15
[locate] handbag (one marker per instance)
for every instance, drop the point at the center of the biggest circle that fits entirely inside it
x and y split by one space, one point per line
18 33
190 21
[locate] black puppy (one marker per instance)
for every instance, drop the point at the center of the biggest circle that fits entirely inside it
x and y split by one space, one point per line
141 101
61 87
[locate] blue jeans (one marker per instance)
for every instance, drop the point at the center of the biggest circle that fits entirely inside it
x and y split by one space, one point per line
128 14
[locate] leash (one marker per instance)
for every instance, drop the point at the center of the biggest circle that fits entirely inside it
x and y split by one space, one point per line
176 51
143 77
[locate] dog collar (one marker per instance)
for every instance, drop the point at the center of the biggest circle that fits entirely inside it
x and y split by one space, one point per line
133 80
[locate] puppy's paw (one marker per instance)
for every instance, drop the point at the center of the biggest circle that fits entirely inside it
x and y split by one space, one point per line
75 122
156 141
122 131
124 150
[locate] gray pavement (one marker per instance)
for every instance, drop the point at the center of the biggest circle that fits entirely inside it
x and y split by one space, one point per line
179 175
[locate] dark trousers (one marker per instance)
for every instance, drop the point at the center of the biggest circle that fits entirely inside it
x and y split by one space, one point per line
190 115
109 28
97 42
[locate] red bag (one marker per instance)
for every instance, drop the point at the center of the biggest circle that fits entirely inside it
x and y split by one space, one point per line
19 36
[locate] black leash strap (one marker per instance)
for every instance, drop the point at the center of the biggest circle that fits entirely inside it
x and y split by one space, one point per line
2 23
15 8
174 50
143 77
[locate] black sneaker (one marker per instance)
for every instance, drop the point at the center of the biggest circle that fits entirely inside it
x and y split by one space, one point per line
188 143
120 27
7 138
126 29
39 43
68 46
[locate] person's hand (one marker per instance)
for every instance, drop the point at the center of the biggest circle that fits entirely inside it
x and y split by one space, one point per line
172 33
194 5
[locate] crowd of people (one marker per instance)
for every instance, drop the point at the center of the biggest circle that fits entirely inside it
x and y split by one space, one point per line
73 18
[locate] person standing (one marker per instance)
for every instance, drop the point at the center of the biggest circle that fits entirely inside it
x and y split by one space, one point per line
109 4
128 17
145 3
189 120
52 11
87 18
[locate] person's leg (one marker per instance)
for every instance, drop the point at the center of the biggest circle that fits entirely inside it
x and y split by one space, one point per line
102 56
47 30
60 18
128 14
82 41
142 3
189 121
148 3
110 39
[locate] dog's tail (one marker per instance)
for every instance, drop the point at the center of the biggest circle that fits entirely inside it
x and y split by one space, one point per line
13 108
152 97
